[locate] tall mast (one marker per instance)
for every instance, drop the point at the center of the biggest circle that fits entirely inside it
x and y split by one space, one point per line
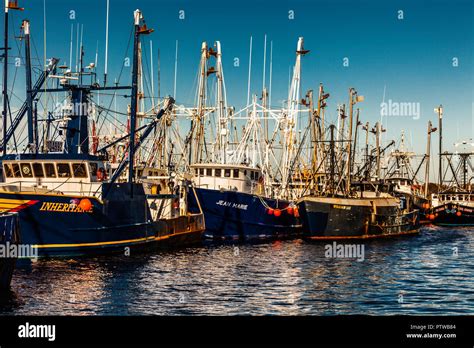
175 70
198 134
250 70
271 72
221 105
349 143
293 107
428 153
354 151
332 160
439 111
353 98
32 124
13 6
106 43
377 146
152 77
367 161
5 79
314 133
134 96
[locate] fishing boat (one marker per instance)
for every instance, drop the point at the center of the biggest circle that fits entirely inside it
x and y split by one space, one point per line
452 208
67 202
347 209
453 203
402 176
9 237
235 187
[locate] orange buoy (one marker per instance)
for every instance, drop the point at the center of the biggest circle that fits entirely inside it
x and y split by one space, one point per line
277 212
290 210
296 212
458 213
270 211
431 216
85 204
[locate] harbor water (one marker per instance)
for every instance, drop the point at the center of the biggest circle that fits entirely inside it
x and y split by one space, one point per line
428 274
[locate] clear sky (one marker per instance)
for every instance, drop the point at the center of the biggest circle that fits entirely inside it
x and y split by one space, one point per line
425 58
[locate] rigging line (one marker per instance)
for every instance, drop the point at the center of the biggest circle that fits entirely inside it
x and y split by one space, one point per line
120 75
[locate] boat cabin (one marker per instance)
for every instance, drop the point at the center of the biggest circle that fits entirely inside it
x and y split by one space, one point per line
48 174
240 178
463 198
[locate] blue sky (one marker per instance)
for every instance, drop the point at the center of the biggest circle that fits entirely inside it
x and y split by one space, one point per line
411 59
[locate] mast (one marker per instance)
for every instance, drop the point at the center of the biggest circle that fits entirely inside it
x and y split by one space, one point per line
32 123
353 99
439 111
271 71
106 43
292 115
332 160
367 161
349 143
221 105
13 6
5 79
195 150
428 153
134 95
250 70
355 140
314 134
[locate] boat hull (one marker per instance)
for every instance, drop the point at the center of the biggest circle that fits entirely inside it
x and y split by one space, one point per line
55 226
326 218
9 236
237 216
453 215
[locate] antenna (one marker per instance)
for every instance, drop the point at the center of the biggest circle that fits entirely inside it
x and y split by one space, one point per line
96 54
159 81
152 78
271 69
106 43
250 69
264 60
175 70
44 31
70 47
77 46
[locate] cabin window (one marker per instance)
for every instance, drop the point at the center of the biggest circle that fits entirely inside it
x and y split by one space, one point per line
94 168
236 173
64 170
252 175
16 170
201 171
209 172
26 170
196 171
227 173
50 170
79 170
217 172
8 171
38 170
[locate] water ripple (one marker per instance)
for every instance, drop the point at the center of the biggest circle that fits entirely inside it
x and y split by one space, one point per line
431 274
